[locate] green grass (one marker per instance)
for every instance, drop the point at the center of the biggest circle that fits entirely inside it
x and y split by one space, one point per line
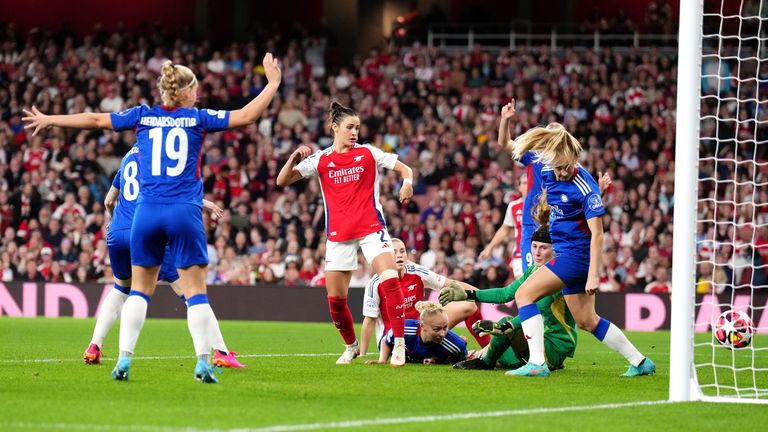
68 395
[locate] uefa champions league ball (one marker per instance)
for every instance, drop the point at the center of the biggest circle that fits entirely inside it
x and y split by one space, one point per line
733 329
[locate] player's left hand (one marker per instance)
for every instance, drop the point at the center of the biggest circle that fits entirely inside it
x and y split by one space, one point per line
452 293
406 192
36 120
272 69
593 284
213 208
604 181
488 327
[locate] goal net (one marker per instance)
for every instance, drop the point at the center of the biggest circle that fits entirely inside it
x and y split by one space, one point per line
721 260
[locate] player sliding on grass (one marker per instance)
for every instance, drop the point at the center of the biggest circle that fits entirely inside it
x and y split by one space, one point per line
413 279
349 178
508 346
427 340
123 194
577 233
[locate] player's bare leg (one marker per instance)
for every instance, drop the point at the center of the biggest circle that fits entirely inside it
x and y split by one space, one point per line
582 307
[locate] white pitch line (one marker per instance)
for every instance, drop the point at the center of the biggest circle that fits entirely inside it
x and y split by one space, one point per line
339 424
447 417
79 359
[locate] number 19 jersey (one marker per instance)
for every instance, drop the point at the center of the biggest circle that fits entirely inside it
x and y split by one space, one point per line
169 143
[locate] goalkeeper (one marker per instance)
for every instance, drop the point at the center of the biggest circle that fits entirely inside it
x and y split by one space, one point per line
508 346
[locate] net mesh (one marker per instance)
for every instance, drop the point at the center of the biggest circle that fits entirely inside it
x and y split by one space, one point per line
732 213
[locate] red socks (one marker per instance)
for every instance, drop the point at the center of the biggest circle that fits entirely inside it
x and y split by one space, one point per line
477 316
394 302
342 318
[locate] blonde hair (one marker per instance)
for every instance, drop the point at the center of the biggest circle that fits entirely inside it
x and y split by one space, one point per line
427 309
173 80
549 143
541 212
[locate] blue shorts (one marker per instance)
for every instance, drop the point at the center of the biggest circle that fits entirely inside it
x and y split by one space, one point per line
572 269
118 245
177 226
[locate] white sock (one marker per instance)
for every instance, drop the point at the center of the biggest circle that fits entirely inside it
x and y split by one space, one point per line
199 322
533 328
108 314
134 313
615 339
398 341
217 340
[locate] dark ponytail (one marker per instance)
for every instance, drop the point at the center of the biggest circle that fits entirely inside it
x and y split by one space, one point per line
337 112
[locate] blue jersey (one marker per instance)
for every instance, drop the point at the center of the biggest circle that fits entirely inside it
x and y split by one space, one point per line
126 181
451 350
169 146
533 170
572 202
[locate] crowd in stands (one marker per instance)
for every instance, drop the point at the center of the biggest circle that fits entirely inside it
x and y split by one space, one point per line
438 111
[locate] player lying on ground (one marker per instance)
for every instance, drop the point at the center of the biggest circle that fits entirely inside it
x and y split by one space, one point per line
120 203
413 280
428 340
508 347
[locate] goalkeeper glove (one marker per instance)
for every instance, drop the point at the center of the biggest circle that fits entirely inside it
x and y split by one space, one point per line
454 293
488 327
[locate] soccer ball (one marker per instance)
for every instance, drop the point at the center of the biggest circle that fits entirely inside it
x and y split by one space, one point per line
733 329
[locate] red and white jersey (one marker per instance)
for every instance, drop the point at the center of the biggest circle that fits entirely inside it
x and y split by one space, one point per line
412 284
514 218
350 185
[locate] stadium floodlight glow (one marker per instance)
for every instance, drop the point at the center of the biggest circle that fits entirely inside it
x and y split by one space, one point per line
720 146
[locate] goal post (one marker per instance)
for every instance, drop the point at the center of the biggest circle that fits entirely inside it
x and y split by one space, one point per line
686 173
720 155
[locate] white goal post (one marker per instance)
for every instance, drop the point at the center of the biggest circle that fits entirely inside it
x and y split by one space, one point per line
720 57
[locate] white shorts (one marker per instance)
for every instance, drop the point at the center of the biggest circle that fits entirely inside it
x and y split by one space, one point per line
342 256
517 267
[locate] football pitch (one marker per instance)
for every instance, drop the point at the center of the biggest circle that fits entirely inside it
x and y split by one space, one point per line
292 384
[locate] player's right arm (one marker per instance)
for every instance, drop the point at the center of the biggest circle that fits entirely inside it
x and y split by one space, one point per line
385 351
369 325
37 120
255 108
506 228
371 313
289 173
505 141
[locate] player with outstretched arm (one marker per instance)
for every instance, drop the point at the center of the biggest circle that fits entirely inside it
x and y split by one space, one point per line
169 138
577 233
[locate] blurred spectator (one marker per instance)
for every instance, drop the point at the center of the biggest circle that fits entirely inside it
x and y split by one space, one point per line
438 110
